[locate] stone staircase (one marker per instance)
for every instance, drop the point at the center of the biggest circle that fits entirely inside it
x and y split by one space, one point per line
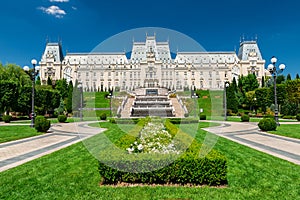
179 112
126 110
144 105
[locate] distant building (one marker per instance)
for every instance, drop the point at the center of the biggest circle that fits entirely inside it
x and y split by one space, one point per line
151 65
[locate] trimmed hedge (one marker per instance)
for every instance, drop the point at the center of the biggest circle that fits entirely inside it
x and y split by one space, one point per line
103 116
245 118
298 117
41 124
202 116
6 118
62 118
210 170
267 124
127 120
183 120
188 168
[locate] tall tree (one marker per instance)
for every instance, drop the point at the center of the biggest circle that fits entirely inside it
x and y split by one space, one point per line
280 79
69 98
62 87
49 81
250 99
38 80
24 100
250 83
297 76
288 77
234 85
293 91
263 98
263 81
8 95
231 99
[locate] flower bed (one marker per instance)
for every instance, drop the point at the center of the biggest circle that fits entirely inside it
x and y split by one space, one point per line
161 154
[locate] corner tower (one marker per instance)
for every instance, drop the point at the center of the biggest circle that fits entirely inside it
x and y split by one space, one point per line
251 61
51 62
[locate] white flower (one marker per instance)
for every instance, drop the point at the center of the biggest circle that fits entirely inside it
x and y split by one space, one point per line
140 147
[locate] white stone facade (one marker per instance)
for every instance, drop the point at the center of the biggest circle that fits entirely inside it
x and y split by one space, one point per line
151 65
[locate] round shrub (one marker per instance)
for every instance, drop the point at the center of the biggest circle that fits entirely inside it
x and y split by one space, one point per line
186 114
202 116
103 116
245 118
298 117
112 120
41 124
62 118
267 124
7 118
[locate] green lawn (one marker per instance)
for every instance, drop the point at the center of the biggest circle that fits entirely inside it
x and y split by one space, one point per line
288 130
10 133
71 173
95 100
211 102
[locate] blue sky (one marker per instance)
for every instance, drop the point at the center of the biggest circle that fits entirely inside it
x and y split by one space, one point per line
216 24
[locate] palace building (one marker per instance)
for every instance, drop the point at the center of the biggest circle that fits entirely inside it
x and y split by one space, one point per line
151 65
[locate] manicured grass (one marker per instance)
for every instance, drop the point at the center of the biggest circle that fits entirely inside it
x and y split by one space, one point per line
71 173
288 130
211 102
10 133
96 100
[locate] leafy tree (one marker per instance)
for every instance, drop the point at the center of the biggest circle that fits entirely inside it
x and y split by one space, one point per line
62 87
46 100
8 95
24 100
289 108
280 79
293 91
250 83
288 77
263 99
250 99
38 81
297 76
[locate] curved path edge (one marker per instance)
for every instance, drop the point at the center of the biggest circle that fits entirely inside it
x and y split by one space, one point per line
59 136
248 134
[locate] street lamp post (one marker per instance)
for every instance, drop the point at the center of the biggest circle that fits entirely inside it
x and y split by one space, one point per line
110 97
32 73
226 85
274 72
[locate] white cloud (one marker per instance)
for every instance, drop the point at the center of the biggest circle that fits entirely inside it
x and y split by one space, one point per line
60 1
54 10
74 8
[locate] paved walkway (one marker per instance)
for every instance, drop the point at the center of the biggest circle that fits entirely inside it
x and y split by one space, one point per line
249 135
18 152
60 136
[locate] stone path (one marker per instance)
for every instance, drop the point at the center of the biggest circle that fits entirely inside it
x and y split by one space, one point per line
17 152
21 151
249 135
